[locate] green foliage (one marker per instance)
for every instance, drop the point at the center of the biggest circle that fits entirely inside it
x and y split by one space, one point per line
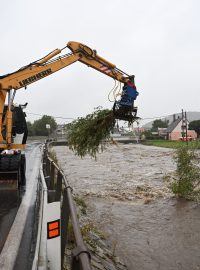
195 125
149 136
30 129
187 180
89 135
81 203
164 143
158 123
171 144
39 126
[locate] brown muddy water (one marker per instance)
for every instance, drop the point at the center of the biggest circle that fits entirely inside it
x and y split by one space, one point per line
129 199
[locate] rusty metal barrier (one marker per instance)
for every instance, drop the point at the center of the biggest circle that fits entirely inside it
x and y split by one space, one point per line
60 190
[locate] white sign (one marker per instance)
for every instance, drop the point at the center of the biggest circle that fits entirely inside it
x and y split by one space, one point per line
53 236
48 126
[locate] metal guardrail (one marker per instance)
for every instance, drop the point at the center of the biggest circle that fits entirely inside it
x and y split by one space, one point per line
60 190
53 190
40 260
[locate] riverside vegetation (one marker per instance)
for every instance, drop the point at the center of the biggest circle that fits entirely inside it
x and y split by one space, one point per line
186 182
171 144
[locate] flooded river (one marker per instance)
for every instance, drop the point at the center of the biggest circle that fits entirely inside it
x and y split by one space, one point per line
129 199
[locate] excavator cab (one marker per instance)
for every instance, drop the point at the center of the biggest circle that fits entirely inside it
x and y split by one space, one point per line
13 161
19 128
123 108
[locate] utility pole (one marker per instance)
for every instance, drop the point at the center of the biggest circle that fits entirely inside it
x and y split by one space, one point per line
186 131
184 126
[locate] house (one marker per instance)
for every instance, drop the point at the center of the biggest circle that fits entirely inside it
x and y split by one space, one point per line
177 130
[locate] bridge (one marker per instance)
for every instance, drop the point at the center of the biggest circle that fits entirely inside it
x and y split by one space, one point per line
34 222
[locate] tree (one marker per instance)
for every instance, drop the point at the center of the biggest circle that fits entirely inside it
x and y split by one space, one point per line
158 123
39 126
30 128
88 135
195 125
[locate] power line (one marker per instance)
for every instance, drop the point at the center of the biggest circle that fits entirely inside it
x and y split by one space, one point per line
149 118
61 117
70 118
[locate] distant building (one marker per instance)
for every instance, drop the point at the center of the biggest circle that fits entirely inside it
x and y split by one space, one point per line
60 131
177 130
162 132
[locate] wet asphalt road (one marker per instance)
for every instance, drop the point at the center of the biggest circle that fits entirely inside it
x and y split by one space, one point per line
9 204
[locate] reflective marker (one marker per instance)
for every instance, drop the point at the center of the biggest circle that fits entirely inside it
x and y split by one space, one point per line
53 229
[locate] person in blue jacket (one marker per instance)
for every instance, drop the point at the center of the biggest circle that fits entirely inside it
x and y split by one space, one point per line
129 94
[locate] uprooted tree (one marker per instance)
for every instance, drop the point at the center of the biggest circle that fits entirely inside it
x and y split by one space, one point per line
88 135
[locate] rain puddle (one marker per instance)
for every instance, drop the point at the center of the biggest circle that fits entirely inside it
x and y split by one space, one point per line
129 199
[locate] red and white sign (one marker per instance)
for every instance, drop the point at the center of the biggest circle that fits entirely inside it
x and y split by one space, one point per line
105 69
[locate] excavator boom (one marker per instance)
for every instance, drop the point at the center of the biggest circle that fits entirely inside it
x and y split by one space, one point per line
48 65
9 129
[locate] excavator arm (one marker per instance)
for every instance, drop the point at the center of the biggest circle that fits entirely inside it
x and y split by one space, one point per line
51 63
46 66
13 129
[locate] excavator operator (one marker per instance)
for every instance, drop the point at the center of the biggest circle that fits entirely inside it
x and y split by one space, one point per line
129 94
124 107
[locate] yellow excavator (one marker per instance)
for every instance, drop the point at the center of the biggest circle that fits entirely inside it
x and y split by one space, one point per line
13 128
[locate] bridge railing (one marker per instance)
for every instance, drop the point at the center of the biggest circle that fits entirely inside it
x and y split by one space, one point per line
59 190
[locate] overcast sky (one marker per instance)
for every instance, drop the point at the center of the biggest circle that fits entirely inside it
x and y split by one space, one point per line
158 41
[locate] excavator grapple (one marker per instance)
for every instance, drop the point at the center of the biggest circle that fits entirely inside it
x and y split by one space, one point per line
124 113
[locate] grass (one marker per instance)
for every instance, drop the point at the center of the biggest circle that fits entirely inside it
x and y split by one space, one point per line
82 205
171 144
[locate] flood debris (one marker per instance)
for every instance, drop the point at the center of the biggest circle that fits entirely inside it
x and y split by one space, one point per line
89 135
